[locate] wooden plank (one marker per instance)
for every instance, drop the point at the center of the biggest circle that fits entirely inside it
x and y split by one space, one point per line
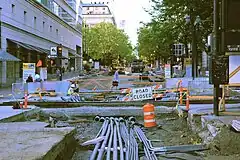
234 72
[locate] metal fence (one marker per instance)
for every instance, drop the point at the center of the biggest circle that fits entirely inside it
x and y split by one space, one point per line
200 86
56 86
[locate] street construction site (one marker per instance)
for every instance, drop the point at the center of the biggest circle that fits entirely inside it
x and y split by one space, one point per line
138 120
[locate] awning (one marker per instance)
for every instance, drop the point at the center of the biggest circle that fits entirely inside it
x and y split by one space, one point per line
30 47
5 56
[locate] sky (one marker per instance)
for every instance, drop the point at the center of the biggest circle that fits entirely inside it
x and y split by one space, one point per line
133 12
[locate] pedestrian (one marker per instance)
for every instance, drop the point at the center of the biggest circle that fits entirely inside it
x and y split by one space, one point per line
29 79
115 80
199 70
63 70
72 69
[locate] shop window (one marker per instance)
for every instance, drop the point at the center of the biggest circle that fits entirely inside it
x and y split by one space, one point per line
10 70
25 16
35 22
13 8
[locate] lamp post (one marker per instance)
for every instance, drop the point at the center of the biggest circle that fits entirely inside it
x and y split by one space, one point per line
194 28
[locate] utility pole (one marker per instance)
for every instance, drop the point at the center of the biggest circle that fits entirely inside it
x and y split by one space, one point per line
215 54
59 59
0 28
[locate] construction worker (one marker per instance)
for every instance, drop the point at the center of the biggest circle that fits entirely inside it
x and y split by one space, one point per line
72 92
71 89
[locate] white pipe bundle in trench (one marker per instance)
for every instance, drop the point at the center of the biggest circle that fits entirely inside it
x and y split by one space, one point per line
114 141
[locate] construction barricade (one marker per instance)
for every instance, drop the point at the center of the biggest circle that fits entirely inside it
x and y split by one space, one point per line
57 87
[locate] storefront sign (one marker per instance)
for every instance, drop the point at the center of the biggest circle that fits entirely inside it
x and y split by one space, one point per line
28 69
142 93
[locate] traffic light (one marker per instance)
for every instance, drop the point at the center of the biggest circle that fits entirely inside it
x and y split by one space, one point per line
59 51
219 70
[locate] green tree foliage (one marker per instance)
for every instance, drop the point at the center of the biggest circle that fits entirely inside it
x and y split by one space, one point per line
107 43
169 26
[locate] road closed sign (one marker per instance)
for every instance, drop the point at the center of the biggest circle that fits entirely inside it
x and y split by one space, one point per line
142 93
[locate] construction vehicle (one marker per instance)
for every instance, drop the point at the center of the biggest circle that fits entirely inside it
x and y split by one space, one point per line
137 66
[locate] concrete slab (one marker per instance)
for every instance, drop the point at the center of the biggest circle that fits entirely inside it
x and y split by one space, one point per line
227 120
203 109
106 111
30 140
7 112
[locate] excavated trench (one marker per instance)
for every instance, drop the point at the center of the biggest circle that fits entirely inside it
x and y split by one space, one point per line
171 131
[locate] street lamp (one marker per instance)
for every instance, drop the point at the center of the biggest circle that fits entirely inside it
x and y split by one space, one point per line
194 25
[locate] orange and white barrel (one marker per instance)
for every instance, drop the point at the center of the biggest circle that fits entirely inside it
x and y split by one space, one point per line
149 116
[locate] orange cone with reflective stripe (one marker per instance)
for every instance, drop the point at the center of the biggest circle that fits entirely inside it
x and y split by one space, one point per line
149 116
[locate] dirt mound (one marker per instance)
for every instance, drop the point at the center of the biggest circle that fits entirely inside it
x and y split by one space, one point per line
227 142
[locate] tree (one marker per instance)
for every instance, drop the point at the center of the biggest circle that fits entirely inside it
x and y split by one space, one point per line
168 26
106 43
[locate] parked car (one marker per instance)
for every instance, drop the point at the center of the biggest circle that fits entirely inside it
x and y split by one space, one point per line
144 76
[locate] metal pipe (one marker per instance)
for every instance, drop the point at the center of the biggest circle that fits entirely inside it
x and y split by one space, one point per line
102 149
111 149
132 119
99 132
94 153
115 152
97 118
110 140
121 119
102 119
124 137
145 141
119 139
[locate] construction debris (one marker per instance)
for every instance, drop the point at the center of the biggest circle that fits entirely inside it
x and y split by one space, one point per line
236 125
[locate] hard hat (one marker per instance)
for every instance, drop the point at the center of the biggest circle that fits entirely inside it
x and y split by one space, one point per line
72 85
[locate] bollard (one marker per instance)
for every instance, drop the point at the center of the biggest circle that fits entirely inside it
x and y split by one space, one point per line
149 116
25 95
181 92
187 101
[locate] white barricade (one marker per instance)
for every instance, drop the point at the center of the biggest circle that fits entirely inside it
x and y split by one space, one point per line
56 86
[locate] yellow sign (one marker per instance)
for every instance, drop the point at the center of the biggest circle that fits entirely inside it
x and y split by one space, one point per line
29 66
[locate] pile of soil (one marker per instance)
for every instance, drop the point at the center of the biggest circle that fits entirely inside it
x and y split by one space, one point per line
226 143
172 130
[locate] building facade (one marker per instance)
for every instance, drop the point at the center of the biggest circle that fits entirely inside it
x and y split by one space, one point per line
95 12
30 28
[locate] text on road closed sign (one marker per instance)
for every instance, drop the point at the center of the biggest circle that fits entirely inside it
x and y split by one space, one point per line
142 93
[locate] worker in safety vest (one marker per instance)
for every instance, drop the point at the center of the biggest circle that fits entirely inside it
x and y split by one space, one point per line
71 89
